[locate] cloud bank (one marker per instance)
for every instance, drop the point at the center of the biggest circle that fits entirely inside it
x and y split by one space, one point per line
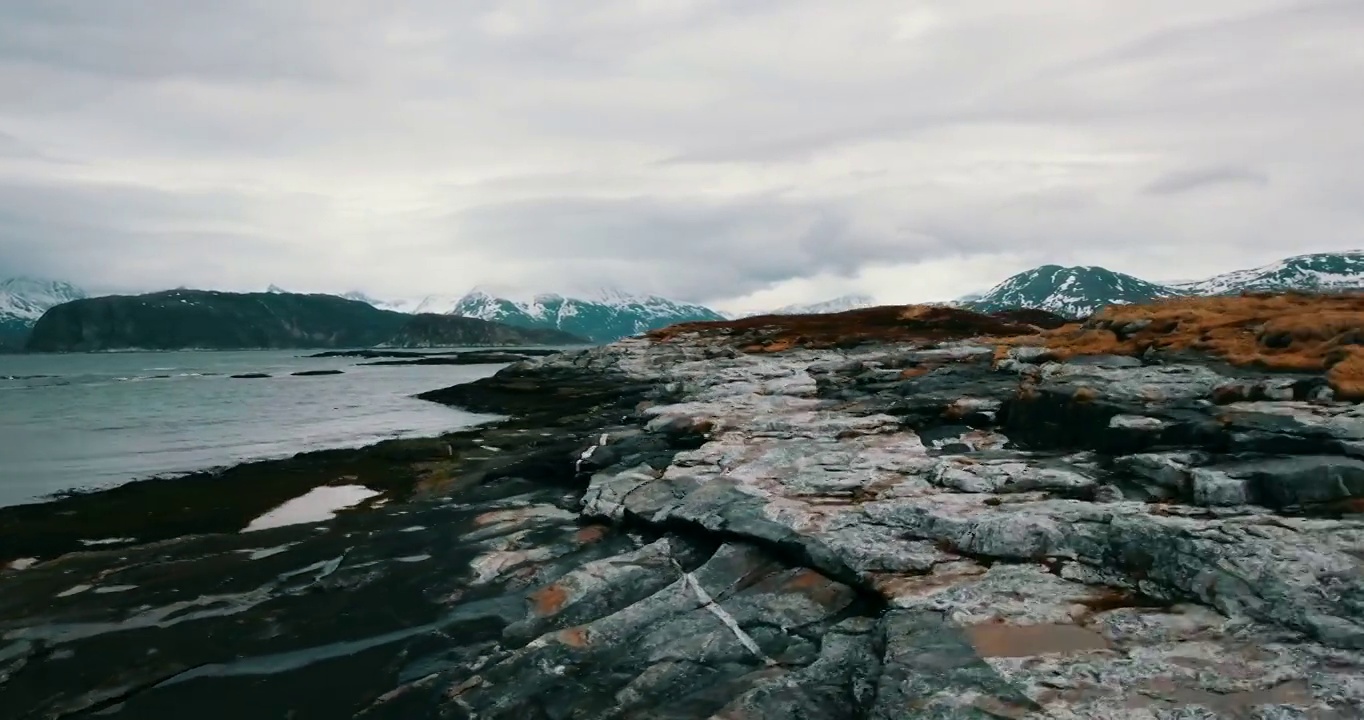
733 153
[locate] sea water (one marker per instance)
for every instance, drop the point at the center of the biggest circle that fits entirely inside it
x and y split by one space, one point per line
86 421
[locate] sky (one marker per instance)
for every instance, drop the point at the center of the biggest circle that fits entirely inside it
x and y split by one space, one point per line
740 153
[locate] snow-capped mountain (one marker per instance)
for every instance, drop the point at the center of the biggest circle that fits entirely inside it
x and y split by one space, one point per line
1318 272
1070 291
476 301
23 300
964 301
29 298
839 304
603 316
402 306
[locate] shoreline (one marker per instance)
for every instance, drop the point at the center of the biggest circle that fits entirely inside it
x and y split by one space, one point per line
682 527
225 499
227 460
321 351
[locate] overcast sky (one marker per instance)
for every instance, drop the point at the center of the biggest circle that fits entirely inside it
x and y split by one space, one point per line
744 153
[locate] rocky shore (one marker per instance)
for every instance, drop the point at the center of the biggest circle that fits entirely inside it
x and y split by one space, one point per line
895 514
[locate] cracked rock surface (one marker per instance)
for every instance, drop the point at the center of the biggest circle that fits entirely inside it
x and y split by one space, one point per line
889 531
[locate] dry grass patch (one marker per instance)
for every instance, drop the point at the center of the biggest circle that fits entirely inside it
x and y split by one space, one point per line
891 323
1296 332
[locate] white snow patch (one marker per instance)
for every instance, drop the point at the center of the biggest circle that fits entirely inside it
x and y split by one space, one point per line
107 541
74 590
262 553
109 589
23 563
317 505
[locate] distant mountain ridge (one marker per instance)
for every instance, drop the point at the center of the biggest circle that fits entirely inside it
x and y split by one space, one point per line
605 316
1081 291
609 314
1324 272
205 319
842 303
1069 291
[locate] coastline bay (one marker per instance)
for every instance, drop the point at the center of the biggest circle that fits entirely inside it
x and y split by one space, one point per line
79 422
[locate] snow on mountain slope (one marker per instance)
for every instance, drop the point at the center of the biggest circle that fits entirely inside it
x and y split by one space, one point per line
1070 291
604 315
28 298
24 300
402 306
842 303
1320 272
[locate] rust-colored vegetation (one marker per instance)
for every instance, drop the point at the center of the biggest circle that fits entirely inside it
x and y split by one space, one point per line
1298 332
1291 332
892 323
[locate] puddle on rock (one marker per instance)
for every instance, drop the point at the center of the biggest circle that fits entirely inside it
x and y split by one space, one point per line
1003 640
317 505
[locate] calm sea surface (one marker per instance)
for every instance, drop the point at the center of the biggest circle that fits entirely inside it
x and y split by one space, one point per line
86 421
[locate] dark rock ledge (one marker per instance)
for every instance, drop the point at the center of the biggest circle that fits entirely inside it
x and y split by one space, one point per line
679 530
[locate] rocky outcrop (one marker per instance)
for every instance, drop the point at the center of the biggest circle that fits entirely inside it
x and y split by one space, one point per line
949 527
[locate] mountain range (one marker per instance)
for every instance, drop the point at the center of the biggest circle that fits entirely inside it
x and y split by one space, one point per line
608 314
1069 291
205 319
1080 291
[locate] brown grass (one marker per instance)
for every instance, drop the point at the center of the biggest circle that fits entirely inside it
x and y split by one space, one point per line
1295 332
891 323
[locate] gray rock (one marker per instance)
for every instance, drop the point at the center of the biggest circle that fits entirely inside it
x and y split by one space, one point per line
796 534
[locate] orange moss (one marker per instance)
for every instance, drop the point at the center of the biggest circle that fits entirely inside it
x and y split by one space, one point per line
1347 376
591 534
548 600
891 323
1085 395
576 637
1295 332
918 371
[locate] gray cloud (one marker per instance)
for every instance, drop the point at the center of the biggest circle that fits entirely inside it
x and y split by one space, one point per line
690 247
123 237
13 147
164 38
1186 180
677 146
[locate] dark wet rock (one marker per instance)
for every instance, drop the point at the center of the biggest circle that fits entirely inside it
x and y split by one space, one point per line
675 530
313 373
250 376
1108 361
1044 319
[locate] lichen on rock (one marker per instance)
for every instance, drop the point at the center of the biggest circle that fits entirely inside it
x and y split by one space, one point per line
917 516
